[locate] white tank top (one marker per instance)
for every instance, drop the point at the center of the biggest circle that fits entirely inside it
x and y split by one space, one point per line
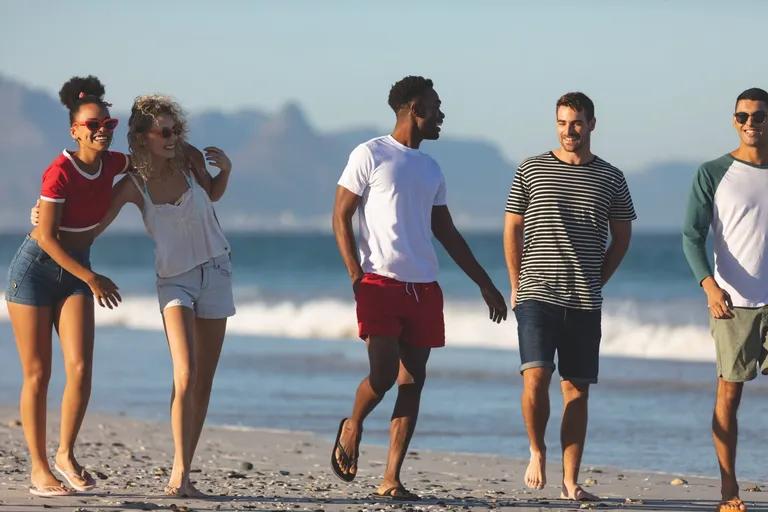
186 234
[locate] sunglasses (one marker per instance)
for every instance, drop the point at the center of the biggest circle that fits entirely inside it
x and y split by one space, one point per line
758 117
166 132
108 123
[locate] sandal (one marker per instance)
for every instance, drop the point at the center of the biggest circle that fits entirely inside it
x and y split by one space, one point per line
398 493
731 505
83 475
345 458
49 491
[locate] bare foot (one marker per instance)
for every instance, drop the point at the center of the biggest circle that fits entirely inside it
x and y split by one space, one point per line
577 493
183 490
170 490
536 474
175 484
732 505
350 442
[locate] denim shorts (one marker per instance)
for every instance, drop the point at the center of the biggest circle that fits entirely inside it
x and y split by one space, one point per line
35 279
206 289
544 329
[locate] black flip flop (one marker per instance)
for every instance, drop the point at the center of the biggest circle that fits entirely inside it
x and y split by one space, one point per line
349 462
403 494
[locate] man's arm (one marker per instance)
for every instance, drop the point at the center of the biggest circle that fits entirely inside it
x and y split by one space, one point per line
513 250
344 208
698 217
457 248
621 232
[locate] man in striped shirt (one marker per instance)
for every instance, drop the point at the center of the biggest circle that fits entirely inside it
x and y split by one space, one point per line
560 208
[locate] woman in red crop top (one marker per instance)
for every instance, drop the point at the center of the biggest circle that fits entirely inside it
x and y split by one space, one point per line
50 283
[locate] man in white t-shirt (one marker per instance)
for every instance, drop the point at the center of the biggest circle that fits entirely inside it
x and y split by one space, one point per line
729 197
399 194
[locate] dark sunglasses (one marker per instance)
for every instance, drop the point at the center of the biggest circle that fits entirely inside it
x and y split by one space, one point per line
166 132
758 117
109 124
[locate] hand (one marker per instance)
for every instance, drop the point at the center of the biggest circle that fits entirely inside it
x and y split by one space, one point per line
217 158
513 299
356 282
34 214
104 290
497 308
718 301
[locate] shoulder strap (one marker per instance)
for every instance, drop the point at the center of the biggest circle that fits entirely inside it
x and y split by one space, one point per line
141 188
188 177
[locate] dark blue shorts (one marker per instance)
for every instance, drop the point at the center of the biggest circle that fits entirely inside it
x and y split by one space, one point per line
544 329
35 279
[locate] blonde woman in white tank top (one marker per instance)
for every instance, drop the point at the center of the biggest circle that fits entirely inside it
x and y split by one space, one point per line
192 261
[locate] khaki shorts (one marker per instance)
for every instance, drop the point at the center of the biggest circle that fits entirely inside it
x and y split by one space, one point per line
741 343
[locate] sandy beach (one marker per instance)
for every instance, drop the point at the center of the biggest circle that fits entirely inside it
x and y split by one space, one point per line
280 470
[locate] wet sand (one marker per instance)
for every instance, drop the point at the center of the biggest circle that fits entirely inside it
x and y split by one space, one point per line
281 470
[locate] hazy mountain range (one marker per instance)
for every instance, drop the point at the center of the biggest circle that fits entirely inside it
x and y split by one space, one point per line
285 170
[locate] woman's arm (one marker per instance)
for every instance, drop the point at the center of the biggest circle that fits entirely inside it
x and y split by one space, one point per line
214 186
122 193
103 289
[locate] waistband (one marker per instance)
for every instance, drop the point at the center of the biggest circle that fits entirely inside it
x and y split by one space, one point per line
30 246
217 260
378 278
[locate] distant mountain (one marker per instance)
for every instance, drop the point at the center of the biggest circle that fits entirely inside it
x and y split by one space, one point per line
285 171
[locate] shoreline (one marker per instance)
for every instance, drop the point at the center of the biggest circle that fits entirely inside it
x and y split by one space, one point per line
290 471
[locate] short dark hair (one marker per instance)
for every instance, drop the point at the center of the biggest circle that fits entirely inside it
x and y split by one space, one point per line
407 89
79 91
579 102
754 94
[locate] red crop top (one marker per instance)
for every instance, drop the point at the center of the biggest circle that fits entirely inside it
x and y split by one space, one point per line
86 197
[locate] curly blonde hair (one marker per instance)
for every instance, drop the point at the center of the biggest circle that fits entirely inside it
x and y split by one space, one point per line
144 114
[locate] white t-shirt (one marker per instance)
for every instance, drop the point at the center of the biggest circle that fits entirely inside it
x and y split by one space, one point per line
398 186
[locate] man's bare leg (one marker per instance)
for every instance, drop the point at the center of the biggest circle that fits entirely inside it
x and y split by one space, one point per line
573 433
410 380
384 361
725 433
535 406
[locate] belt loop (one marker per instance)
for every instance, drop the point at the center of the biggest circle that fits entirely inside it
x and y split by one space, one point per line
413 287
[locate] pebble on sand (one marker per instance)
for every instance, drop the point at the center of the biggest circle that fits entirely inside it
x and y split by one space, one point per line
679 481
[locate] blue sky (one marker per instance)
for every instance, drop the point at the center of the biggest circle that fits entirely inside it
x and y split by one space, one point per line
663 74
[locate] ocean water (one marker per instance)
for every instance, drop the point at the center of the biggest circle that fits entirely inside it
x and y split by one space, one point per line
291 359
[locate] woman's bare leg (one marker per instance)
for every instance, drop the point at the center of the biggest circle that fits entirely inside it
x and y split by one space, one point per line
179 330
74 321
32 327
209 338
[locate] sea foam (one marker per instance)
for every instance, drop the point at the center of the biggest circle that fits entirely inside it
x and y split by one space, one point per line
630 329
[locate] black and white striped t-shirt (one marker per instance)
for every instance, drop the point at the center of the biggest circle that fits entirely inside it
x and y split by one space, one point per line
566 209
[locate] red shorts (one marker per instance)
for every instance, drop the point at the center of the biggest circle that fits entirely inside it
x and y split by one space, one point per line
412 312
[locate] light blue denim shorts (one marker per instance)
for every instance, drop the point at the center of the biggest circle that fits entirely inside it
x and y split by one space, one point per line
206 289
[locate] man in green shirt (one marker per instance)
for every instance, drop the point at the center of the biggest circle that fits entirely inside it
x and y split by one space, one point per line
730 196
